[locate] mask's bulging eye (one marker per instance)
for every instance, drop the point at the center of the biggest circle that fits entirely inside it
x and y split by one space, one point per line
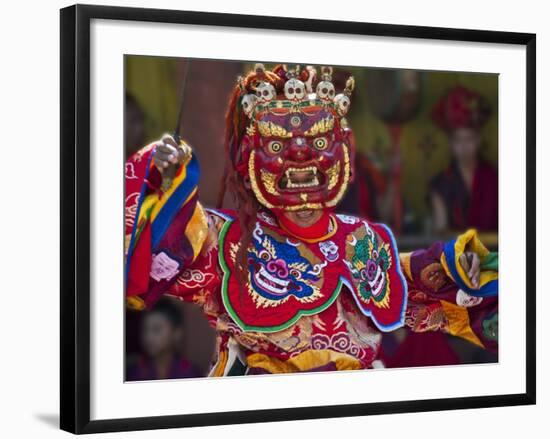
275 147
295 273
320 143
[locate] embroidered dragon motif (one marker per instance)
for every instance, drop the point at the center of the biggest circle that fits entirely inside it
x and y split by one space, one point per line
369 260
279 270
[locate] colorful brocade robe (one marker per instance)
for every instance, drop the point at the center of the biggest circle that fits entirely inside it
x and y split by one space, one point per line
304 305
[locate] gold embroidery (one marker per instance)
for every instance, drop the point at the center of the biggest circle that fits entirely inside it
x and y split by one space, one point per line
269 129
320 127
268 180
332 174
254 183
344 186
251 130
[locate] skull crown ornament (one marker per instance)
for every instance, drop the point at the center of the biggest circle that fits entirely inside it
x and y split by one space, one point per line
296 90
265 92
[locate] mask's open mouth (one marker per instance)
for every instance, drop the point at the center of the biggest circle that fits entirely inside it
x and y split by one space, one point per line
301 178
271 284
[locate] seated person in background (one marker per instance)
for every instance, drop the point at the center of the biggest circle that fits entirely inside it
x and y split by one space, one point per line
466 193
161 335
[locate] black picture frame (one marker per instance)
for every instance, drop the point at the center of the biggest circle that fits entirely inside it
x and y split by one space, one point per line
75 217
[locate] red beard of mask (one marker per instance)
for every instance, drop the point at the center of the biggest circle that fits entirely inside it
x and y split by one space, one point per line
298 161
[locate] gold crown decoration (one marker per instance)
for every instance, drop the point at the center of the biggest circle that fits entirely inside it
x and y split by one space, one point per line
295 94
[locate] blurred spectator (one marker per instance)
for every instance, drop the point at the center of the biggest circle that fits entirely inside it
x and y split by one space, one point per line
466 193
134 125
161 334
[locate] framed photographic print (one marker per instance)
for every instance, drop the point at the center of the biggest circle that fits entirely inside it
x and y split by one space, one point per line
283 218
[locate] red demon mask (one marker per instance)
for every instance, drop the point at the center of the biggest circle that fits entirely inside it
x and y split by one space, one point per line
297 151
